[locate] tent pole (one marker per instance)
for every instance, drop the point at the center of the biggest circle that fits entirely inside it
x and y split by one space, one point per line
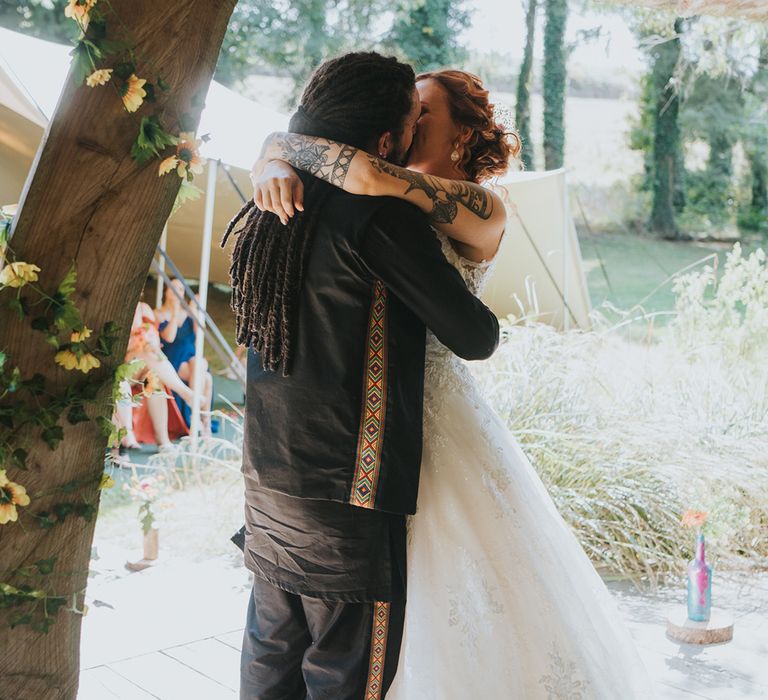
566 251
161 263
205 264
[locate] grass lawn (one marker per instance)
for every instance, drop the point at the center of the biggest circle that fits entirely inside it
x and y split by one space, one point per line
624 269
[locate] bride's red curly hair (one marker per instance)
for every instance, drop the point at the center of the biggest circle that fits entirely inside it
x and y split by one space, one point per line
491 146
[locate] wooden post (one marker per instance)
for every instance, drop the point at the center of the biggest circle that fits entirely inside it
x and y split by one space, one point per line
88 202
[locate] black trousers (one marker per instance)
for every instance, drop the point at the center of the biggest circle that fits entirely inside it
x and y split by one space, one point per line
297 648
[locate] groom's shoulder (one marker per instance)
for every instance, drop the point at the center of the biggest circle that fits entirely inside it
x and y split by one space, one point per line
360 211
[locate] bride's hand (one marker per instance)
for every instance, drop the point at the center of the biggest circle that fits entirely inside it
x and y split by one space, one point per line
277 189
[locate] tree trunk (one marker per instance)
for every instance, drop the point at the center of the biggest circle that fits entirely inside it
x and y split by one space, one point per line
720 172
757 151
554 83
523 102
759 201
666 137
88 201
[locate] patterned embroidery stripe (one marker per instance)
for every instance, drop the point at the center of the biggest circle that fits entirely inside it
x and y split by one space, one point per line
368 458
378 651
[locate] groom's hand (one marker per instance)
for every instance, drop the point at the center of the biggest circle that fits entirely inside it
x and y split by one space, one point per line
277 189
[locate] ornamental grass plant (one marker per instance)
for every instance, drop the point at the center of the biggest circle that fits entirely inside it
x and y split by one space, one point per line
626 436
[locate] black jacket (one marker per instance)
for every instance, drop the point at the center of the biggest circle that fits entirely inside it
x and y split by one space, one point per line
346 424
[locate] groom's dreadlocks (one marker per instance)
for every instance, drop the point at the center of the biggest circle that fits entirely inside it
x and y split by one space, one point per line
352 99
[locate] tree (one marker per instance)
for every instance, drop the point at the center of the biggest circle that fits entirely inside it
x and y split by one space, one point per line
292 37
523 102
41 18
425 33
554 82
87 202
756 145
666 150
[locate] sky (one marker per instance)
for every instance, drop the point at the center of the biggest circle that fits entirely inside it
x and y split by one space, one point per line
499 25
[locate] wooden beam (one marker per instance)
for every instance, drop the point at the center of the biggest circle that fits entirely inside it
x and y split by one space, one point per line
88 202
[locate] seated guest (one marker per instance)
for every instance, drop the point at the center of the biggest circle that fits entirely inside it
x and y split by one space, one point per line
177 338
157 419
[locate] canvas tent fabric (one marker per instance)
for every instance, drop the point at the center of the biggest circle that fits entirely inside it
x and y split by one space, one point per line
32 73
539 263
538 272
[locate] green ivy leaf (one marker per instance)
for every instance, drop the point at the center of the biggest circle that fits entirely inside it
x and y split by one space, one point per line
125 70
54 603
105 425
81 62
19 458
40 323
45 520
43 625
45 566
107 339
35 384
67 285
67 316
152 139
77 414
14 380
21 619
165 87
62 510
53 436
15 305
86 511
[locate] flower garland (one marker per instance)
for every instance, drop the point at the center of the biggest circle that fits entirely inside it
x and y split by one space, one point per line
99 61
29 410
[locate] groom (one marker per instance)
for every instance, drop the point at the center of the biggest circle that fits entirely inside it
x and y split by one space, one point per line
334 307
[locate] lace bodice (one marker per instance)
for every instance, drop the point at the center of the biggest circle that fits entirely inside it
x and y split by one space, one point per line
440 361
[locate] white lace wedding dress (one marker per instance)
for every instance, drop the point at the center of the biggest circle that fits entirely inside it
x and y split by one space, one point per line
503 603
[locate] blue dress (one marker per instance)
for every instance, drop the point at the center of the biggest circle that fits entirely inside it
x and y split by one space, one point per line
178 352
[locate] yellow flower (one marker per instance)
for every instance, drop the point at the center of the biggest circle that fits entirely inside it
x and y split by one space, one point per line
107 482
88 362
99 77
133 93
11 495
66 358
78 10
17 274
79 336
167 165
187 154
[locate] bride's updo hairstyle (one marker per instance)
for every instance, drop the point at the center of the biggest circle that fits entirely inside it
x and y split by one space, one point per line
491 145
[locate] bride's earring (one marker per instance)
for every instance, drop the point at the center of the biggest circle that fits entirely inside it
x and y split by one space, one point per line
456 156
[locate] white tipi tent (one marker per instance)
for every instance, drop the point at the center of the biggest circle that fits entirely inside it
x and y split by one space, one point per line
538 270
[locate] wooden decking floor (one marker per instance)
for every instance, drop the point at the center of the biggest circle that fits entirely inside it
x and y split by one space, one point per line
174 632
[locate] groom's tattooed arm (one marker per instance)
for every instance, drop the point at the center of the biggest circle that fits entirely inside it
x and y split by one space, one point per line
446 195
322 158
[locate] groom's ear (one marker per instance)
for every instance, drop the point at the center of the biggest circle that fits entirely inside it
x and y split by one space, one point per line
384 145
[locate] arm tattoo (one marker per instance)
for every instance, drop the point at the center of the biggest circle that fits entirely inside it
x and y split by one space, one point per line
309 154
446 198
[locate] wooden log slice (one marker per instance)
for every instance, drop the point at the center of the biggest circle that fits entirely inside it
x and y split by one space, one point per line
716 630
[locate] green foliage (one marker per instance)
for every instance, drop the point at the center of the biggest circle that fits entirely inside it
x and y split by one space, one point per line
426 33
151 140
40 18
523 101
291 37
554 82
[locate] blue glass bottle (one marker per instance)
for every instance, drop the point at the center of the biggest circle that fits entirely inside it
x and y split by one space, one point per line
699 585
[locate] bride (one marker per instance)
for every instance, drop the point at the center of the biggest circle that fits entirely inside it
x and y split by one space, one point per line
503 603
